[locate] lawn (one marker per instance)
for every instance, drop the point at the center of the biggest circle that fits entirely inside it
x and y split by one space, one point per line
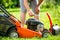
54 13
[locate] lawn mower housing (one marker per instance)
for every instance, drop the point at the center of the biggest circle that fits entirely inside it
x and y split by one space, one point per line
34 24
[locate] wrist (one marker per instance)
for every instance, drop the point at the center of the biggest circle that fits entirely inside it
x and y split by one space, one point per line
28 10
37 6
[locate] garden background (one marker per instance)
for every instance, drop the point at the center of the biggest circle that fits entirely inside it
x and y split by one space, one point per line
50 6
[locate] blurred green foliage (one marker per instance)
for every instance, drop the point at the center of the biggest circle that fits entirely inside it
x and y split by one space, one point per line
15 3
51 3
10 3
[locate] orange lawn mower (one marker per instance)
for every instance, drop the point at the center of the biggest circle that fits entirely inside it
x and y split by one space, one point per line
11 26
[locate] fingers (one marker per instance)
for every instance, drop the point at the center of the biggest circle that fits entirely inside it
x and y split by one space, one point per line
37 10
31 13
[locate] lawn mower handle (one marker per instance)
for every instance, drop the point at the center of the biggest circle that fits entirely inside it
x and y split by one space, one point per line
11 17
4 10
50 20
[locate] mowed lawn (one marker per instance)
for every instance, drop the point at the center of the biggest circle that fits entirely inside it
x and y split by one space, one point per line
55 16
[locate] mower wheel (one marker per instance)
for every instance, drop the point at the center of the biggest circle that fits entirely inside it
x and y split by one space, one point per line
45 33
12 33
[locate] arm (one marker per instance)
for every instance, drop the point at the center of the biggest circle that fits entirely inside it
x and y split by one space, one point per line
39 2
28 8
26 5
37 6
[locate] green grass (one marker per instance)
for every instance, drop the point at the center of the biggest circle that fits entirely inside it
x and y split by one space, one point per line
55 16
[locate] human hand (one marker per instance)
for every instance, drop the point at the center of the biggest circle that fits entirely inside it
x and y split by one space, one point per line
31 13
37 10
